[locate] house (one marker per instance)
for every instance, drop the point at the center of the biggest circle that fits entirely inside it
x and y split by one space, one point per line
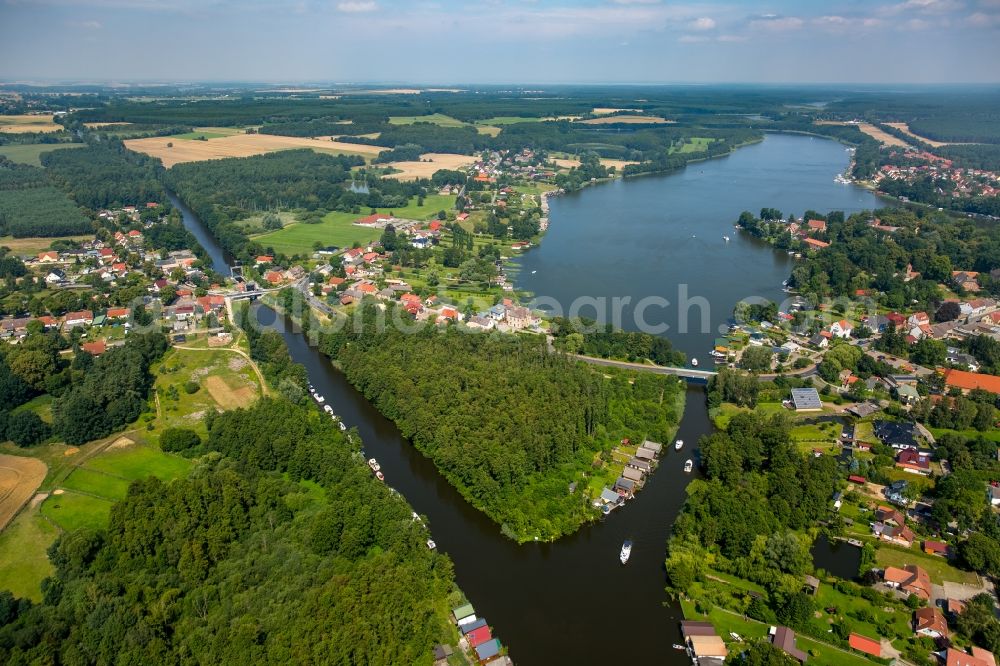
274 277
783 638
939 548
842 328
979 657
896 434
907 394
968 381
876 323
55 276
897 534
890 516
910 579
117 313
819 341
813 244
816 225
610 497
966 280
640 465
806 400
632 474
264 259
864 644
918 319
80 318
464 614
854 478
488 650
479 636
96 348
914 462
48 257
993 494
954 607
929 621
625 486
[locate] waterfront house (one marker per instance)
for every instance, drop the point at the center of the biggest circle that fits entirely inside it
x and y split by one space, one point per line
929 621
640 465
488 650
655 447
644 454
632 474
479 635
610 497
813 244
625 486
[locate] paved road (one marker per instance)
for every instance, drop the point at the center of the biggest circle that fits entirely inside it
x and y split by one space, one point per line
686 373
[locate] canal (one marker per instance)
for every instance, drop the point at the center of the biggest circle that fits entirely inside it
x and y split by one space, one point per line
572 601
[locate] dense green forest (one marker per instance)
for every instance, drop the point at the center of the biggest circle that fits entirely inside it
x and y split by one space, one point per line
278 548
105 175
509 423
31 206
583 336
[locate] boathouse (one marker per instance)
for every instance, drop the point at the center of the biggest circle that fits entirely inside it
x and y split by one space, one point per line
632 474
645 454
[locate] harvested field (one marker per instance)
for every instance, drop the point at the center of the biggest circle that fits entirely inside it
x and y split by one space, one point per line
99 125
36 244
240 145
870 130
227 397
19 479
905 129
426 169
626 120
605 110
22 124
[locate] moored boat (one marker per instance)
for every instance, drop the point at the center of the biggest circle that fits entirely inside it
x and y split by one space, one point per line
431 544
626 551
688 465
694 362
678 445
379 476
374 465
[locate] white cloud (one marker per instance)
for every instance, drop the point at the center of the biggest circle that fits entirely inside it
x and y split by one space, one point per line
922 7
982 20
357 6
732 38
692 39
91 25
702 23
776 23
836 23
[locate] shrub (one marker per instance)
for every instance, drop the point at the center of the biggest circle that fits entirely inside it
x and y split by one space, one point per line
179 439
191 387
27 429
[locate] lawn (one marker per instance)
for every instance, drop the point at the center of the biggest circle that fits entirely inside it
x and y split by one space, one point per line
139 461
937 567
991 435
73 511
209 133
337 228
696 144
40 405
24 562
29 153
88 481
434 118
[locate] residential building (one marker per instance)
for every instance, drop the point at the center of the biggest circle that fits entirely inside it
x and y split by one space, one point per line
783 638
911 579
929 621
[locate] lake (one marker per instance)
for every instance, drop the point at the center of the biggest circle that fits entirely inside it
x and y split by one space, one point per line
661 237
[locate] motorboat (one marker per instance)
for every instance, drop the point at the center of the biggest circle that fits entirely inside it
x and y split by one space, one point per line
320 399
694 362
328 409
725 238
626 551
678 445
678 646
374 465
379 476
431 544
688 466
341 424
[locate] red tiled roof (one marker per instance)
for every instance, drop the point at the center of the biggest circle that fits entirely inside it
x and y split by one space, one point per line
972 380
96 348
479 636
866 645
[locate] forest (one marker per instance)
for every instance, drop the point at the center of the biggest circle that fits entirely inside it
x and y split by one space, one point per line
106 175
278 548
31 206
507 422
585 336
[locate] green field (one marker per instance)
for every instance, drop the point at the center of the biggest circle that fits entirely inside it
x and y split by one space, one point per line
434 118
23 559
74 511
696 144
337 228
139 461
29 153
88 481
209 133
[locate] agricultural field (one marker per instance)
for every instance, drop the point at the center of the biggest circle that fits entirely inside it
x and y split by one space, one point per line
570 162
20 477
905 129
23 124
209 133
172 151
74 511
29 153
434 119
430 162
696 144
23 559
337 229
508 120
626 120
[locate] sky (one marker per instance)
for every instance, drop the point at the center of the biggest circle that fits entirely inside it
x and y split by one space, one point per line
501 41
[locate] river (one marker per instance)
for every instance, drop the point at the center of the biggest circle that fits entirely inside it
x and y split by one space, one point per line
572 601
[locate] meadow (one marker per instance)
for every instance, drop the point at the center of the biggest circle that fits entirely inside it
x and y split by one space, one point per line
337 229
29 153
434 118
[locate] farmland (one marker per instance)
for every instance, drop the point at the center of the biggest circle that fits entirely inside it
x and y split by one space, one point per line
434 118
172 151
905 129
625 120
430 162
22 124
19 479
337 228
28 153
